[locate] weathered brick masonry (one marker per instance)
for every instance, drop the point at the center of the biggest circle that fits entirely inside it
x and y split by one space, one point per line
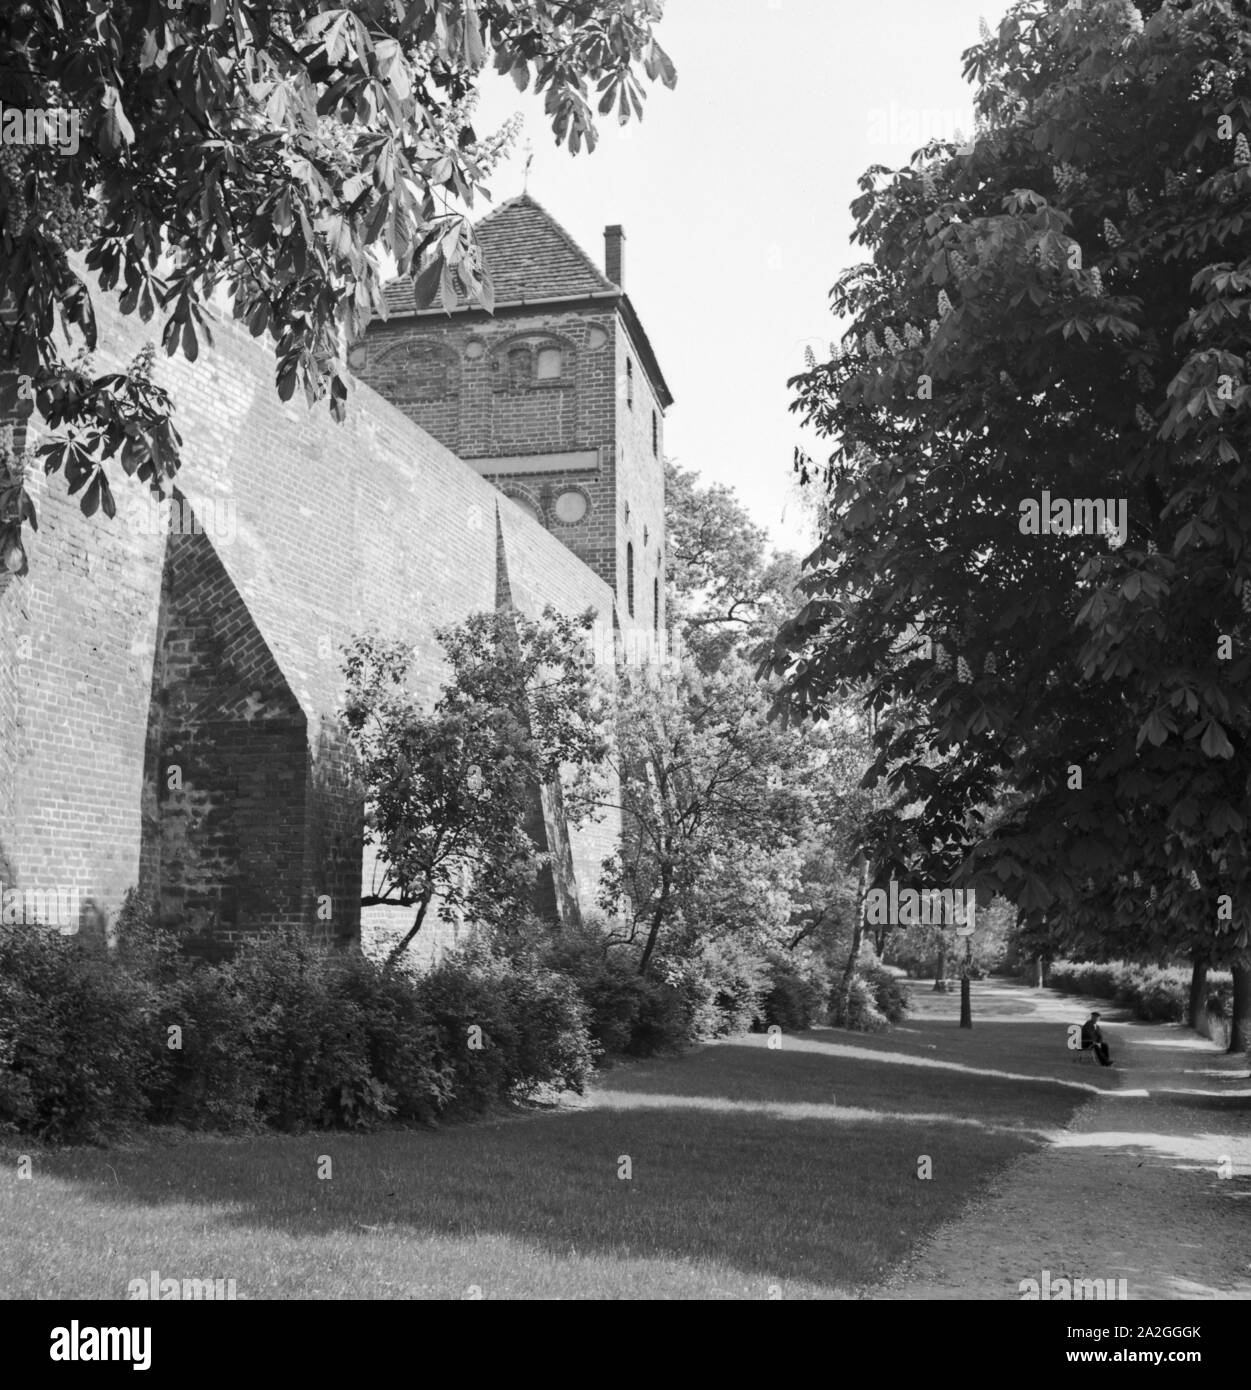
557 397
168 700
218 656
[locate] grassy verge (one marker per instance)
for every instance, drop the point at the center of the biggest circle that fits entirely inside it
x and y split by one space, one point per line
754 1172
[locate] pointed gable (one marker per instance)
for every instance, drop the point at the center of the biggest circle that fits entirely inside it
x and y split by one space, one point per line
530 257
533 260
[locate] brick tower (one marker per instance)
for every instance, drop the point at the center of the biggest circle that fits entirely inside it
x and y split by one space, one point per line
557 397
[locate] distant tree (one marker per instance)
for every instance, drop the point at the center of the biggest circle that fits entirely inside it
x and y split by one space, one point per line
828 900
1059 305
836 852
447 789
728 593
275 151
711 809
727 590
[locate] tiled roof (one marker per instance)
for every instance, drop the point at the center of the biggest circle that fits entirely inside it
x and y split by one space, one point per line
530 256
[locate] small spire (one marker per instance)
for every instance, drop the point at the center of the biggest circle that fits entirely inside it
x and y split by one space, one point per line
525 178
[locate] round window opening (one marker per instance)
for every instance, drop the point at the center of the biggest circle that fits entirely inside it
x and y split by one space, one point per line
596 338
571 506
474 349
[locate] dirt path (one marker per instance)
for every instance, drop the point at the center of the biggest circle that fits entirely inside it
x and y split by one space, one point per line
1129 1190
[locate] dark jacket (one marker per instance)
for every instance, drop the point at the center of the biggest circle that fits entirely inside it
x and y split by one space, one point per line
1091 1034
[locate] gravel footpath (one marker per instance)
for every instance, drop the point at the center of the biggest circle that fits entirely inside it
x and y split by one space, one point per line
1131 1189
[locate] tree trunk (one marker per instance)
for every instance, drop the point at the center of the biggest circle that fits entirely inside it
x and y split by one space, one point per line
966 988
658 917
1198 992
940 968
1240 1015
399 950
857 934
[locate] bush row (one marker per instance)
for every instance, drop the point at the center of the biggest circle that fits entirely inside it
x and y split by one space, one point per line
285 1036
1149 992
718 990
282 1036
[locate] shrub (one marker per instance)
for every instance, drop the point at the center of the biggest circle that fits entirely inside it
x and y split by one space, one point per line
890 994
553 1044
614 1000
1156 995
794 998
635 1016
144 948
664 1022
1220 995
853 1006
626 1014
474 1038
505 1028
77 1039
725 985
214 1080
307 1043
608 983
401 1041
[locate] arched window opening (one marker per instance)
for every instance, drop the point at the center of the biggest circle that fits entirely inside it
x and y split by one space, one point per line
630 577
527 505
519 367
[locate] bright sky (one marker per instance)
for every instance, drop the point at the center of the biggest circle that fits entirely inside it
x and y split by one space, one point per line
734 193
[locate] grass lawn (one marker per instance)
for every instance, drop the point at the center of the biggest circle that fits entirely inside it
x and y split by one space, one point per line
757 1172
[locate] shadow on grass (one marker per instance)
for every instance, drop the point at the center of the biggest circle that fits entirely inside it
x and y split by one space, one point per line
884 1073
814 1162
1235 1103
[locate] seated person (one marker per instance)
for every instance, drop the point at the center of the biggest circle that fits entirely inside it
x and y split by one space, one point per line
1092 1037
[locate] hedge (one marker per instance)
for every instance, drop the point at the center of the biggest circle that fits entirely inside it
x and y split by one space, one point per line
1149 992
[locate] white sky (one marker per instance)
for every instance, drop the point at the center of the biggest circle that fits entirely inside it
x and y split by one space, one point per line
734 192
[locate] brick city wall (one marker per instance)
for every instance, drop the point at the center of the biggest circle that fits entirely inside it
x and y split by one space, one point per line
77 640
225 774
222 650
12 628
